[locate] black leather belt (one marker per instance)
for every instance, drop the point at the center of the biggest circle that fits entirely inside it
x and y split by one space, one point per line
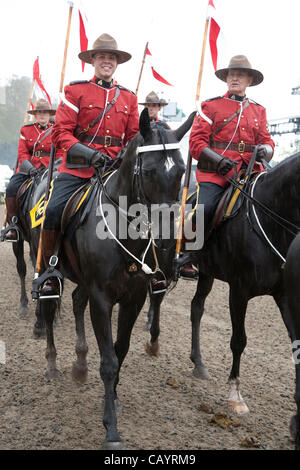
106 140
240 147
39 154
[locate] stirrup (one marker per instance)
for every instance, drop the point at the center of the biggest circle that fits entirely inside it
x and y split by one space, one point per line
39 281
12 226
163 282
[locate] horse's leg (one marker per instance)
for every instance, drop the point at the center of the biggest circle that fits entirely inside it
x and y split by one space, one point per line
100 310
128 314
80 369
39 329
197 309
292 323
152 347
18 249
238 305
48 309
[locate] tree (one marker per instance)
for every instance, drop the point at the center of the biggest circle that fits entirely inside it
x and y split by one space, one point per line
12 115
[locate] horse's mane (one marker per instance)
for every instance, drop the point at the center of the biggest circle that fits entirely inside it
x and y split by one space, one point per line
286 161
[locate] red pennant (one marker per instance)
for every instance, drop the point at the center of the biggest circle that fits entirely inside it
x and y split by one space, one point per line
83 38
159 77
36 77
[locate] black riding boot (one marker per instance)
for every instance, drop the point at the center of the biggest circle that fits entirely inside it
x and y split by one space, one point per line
49 241
11 209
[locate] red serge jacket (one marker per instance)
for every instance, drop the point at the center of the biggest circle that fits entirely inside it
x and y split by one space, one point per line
82 103
252 129
33 145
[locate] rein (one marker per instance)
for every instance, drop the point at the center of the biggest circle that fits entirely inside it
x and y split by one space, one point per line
284 223
141 197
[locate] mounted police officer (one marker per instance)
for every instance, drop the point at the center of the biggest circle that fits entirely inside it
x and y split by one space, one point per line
224 134
33 156
154 105
94 121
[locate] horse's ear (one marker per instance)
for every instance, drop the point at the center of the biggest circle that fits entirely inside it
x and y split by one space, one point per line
145 127
182 130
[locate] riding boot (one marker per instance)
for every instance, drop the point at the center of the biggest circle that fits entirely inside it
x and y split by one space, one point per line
11 208
188 271
49 241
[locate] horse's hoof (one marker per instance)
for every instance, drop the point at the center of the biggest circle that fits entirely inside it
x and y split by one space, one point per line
117 445
23 312
52 374
239 407
152 349
79 374
201 372
39 333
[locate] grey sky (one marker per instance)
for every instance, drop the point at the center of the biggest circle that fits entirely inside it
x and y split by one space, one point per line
264 30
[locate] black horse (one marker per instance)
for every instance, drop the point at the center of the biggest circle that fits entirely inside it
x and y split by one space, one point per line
292 277
27 201
248 252
150 173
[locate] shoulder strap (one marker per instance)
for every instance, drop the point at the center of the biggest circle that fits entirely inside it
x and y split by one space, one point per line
229 119
215 98
123 88
78 82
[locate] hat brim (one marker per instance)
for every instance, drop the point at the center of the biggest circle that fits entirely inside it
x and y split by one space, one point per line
154 102
122 56
34 111
257 76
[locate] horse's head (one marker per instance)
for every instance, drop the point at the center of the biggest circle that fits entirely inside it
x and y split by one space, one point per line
159 166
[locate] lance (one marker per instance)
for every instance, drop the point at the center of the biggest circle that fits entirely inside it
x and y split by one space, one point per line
141 71
189 160
62 77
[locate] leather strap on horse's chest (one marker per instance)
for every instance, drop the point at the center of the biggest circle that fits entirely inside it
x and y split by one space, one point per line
78 133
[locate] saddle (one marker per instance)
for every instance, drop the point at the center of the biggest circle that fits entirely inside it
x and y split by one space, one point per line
232 200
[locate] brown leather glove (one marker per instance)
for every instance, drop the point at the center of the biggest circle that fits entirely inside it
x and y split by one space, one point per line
225 165
264 152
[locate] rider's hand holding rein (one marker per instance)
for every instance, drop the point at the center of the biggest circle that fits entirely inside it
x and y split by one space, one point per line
264 152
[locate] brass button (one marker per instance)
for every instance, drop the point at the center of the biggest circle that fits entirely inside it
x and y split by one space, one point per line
107 131
126 106
242 116
108 117
30 140
42 145
125 112
90 105
243 128
225 120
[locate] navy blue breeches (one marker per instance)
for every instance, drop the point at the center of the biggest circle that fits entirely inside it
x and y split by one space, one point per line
63 187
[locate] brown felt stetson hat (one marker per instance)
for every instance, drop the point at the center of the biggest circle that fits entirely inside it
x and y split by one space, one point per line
42 105
152 98
104 43
240 62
